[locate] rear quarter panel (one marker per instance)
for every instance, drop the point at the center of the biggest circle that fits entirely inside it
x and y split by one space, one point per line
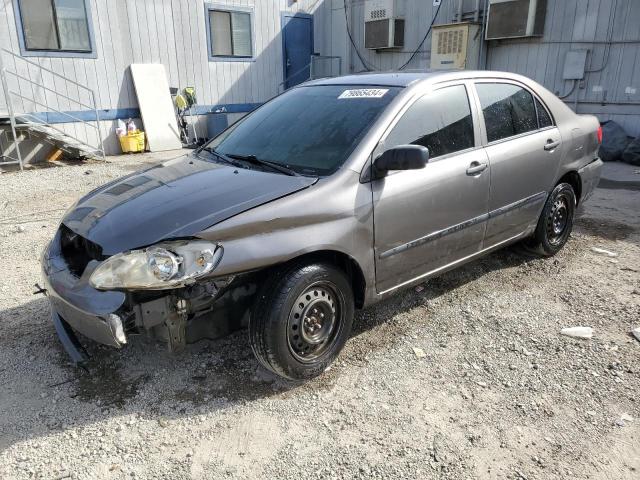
579 146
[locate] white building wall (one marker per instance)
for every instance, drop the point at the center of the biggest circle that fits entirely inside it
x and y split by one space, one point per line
171 32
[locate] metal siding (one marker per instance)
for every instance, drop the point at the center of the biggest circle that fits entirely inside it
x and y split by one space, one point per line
569 24
575 24
173 32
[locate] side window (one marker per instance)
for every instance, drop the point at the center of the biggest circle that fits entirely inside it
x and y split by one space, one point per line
440 121
508 110
544 119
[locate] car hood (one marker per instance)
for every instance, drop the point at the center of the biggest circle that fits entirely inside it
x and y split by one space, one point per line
173 199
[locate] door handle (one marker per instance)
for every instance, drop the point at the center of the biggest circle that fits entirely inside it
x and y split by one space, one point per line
550 145
476 168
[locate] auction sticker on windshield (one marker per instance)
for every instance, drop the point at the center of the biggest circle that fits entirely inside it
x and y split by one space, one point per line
364 93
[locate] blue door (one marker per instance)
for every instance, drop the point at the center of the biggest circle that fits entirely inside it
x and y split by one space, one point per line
297 47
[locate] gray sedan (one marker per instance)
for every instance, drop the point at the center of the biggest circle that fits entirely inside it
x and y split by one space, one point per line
328 198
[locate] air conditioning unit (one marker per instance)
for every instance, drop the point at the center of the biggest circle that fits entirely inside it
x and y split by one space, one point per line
383 24
515 18
455 46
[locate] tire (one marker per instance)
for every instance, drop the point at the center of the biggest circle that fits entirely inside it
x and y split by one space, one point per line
555 222
302 319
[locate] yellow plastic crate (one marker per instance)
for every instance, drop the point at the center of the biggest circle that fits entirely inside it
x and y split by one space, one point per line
132 142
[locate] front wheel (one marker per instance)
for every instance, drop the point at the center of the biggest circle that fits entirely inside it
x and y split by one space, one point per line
556 221
302 319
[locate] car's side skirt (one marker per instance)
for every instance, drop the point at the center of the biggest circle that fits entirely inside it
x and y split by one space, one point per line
453 264
466 224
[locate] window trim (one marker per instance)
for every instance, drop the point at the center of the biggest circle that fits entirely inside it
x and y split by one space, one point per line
208 7
25 52
477 141
520 135
538 100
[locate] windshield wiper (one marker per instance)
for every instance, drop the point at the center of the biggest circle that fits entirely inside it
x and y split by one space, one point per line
221 156
258 161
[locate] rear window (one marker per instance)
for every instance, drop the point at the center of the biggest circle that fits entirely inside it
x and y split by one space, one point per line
311 130
508 110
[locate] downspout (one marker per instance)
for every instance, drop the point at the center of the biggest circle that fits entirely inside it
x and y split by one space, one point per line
484 45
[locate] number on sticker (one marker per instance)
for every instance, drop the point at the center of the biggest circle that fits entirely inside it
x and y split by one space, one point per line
364 93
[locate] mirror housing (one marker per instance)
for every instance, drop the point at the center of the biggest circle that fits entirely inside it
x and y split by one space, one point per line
402 157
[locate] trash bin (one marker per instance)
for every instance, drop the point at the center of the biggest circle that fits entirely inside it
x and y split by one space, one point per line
132 142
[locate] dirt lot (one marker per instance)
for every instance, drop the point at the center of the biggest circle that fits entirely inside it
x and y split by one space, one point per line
499 394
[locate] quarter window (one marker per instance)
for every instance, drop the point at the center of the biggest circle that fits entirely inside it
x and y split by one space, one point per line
55 25
544 119
440 121
230 33
508 110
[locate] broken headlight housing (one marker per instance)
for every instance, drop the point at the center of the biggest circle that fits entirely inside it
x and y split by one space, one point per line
162 266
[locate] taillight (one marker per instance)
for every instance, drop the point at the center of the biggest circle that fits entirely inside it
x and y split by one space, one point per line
600 135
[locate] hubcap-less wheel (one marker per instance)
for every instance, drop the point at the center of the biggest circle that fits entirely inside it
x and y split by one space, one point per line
301 319
314 322
557 219
555 222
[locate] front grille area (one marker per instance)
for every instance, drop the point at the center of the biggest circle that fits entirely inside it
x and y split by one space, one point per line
77 251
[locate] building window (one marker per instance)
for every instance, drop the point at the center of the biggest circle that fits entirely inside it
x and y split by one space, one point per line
55 26
229 33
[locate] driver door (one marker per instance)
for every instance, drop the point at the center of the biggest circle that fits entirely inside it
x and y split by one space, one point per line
427 219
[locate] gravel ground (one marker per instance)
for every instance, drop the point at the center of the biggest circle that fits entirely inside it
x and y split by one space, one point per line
499 392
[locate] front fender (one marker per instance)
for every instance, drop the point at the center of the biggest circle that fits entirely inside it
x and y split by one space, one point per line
336 214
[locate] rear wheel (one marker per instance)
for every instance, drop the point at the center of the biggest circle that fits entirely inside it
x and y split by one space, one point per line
302 319
555 222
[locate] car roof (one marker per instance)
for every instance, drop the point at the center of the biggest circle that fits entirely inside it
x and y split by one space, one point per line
406 78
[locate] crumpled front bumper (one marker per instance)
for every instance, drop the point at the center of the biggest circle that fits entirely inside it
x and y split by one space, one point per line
76 305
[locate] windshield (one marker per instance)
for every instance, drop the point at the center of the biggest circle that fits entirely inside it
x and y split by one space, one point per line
311 130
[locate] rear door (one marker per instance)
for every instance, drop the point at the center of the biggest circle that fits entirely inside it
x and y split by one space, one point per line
426 219
523 146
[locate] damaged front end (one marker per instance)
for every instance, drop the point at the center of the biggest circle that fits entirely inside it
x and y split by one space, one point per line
210 309
166 291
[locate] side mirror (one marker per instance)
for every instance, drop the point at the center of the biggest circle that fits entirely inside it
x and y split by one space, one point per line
402 157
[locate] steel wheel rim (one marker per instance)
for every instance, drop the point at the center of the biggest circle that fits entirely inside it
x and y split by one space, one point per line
558 219
314 322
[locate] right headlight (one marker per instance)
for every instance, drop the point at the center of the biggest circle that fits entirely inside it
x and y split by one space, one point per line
162 266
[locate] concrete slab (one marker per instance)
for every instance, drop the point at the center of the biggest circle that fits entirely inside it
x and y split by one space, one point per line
620 175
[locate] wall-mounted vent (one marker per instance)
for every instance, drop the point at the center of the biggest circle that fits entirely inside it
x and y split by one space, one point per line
380 13
515 18
455 46
383 24
450 41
